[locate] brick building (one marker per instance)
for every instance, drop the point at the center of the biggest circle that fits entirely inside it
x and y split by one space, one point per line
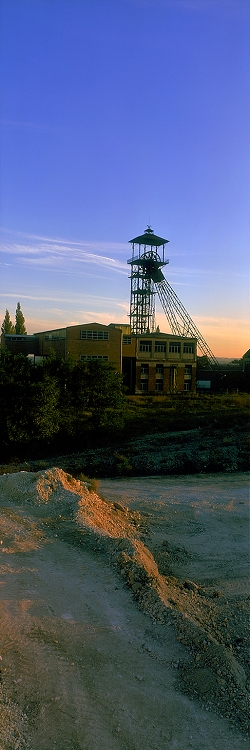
84 342
151 362
159 363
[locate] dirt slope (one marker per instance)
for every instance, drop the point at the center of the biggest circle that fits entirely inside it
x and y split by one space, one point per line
100 645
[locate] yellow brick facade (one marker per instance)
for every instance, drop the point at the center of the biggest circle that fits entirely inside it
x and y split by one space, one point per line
84 342
151 363
163 363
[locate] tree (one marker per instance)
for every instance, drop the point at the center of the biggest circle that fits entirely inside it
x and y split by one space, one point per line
45 408
105 394
7 325
20 328
56 400
15 380
29 402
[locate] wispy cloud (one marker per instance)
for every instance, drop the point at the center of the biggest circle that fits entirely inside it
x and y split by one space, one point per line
62 240
72 257
62 254
58 298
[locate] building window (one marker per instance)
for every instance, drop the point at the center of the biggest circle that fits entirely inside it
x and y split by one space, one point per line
144 385
144 371
145 346
160 346
188 349
188 372
159 378
95 335
159 371
174 348
127 340
89 357
187 386
56 336
159 385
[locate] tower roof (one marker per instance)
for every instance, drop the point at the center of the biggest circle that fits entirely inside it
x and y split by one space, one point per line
149 238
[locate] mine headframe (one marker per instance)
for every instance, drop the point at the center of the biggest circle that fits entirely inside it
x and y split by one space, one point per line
147 280
146 264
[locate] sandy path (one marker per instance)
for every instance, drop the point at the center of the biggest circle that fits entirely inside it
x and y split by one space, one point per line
82 667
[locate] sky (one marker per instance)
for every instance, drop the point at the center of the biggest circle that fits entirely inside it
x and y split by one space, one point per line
116 114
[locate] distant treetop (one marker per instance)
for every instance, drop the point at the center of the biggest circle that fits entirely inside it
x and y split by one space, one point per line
7 325
19 328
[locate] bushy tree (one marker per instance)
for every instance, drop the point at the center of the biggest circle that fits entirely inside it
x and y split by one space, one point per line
59 372
15 382
28 401
44 406
20 328
7 325
56 398
104 392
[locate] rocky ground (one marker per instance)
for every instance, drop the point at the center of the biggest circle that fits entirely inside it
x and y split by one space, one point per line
182 452
112 633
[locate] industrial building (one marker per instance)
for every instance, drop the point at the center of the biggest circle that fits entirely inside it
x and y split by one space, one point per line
152 362
90 341
159 363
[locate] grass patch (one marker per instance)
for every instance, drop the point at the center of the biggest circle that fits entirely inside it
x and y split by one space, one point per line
179 412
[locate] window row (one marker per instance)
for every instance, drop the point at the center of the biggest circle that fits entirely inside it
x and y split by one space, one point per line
95 335
158 371
161 346
159 385
54 336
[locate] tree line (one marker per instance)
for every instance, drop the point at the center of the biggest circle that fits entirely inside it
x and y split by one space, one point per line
19 328
57 404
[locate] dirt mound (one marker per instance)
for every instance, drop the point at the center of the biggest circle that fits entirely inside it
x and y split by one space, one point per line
67 509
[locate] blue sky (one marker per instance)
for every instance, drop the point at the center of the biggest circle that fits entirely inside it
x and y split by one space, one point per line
116 113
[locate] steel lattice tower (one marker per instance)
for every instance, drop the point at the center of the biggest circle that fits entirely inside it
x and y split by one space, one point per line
147 279
145 272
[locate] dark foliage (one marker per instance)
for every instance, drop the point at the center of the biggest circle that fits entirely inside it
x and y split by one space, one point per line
7 326
56 403
20 327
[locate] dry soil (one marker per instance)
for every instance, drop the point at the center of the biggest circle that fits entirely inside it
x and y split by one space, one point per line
112 634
